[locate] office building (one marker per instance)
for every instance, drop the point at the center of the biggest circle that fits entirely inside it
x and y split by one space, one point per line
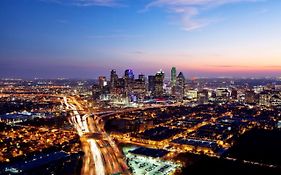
151 83
173 76
113 78
180 85
159 83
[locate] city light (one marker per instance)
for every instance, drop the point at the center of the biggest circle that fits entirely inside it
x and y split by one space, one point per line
140 87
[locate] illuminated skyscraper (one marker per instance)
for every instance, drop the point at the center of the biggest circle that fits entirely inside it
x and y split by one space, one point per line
180 85
103 86
139 87
142 77
129 74
173 76
159 82
129 81
113 78
173 81
202 96
102 81
264 98
222 94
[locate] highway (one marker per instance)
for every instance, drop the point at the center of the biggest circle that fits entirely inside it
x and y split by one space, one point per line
102 156
127 110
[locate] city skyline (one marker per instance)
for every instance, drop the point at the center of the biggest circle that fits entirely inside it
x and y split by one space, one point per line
140 87
85 39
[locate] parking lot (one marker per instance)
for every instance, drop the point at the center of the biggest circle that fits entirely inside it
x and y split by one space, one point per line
149 166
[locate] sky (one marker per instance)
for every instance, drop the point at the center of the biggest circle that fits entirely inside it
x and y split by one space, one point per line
88 38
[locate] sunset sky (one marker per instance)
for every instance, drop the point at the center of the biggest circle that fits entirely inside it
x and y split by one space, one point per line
87 38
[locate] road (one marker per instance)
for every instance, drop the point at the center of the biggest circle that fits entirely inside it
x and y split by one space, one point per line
127 110
102 156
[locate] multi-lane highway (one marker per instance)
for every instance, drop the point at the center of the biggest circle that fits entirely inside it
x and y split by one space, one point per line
102 156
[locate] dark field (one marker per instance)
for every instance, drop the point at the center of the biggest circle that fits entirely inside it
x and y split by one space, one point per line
257 145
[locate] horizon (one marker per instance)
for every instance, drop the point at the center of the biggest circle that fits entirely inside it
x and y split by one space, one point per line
136 74
133 87
85 39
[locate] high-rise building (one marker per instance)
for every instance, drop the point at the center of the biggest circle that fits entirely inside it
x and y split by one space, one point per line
139 88
129 80
129 74
180 85
159 82
191 94
173 76
151 83
222 94
113 78
234 94
250 96
120 83
102 81
173 81
275 100
104 87
142 77
96 92
119 89
264 98
203 96
258 89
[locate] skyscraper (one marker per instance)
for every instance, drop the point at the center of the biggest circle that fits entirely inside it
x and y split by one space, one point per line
264 98
102 81
129 74
139 87
159 82
104 88
142 77
173 76
96 92
173 81
180 85
129 80
222 94
151 83
250 96
202 96
113 78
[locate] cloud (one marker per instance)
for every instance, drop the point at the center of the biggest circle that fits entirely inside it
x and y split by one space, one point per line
257 67
85 3
189 11
228 66
273 66
190 23
115 36
195 2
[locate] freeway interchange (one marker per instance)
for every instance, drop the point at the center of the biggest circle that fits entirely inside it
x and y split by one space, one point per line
102 156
